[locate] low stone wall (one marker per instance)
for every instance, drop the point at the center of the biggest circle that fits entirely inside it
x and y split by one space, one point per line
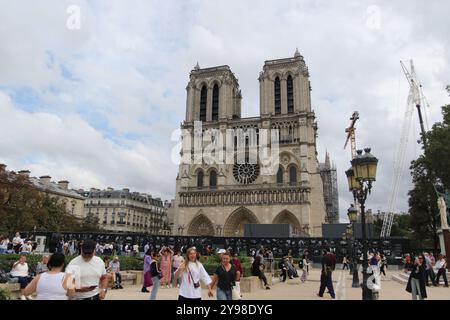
249 284
136 275
13 288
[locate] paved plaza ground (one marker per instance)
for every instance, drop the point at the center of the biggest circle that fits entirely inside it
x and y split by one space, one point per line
295 290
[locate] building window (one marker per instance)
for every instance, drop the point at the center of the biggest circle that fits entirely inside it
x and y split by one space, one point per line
200 179
290 95
213 179
203 99
277 96
293 175
280 175
215 103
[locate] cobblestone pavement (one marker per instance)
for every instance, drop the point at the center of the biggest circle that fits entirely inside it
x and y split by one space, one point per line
295 290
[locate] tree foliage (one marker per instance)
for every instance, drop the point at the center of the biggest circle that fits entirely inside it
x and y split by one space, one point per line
431 167
25 208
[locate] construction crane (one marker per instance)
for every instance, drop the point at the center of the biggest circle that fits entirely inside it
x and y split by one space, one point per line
414 100
352 138
351 134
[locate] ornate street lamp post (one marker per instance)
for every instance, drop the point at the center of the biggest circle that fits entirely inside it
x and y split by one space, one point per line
352 213
364 170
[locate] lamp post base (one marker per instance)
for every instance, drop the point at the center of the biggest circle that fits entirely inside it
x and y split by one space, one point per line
367 293
355 282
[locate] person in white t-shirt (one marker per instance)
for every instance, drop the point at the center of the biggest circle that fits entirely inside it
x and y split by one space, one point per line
192 272
89 273
135 250
21 272
17 242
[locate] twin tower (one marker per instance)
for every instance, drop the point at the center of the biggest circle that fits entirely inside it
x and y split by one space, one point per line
221 199
213 94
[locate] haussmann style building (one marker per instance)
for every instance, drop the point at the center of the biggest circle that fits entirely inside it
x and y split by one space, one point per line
125 211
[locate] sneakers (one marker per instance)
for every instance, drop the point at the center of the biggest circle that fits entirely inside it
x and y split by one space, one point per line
167 286
22 297
144 290
120 286
178 285
267 288
29 297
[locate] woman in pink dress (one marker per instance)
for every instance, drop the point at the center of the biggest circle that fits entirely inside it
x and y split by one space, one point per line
166 266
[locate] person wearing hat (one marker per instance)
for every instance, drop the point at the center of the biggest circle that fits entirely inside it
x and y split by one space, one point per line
220 253
93 281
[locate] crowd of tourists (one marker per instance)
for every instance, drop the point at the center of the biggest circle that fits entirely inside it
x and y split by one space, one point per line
88 277
424 270
17 245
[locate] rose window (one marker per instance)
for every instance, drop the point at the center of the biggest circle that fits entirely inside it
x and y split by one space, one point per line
246 173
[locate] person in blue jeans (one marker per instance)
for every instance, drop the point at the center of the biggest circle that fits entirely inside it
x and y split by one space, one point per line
225 277
155 273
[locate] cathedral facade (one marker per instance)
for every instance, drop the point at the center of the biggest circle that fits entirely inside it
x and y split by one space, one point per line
218 199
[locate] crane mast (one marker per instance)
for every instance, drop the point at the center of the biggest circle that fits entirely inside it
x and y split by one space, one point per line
414 100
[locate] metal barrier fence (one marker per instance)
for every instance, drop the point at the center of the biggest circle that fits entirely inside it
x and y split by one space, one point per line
392 247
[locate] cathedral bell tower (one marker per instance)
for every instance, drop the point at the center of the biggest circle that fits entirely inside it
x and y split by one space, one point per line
213 94
284 87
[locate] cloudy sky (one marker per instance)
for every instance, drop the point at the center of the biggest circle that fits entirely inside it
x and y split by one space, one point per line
97 102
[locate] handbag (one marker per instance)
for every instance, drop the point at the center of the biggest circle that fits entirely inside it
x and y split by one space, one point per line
148 282
236 292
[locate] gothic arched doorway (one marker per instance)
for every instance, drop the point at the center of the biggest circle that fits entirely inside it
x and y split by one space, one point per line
234 226
201 226
286 217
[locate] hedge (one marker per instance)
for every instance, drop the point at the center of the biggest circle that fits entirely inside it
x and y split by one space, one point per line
126 263
7 260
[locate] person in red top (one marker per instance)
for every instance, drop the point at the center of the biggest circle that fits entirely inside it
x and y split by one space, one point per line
237 263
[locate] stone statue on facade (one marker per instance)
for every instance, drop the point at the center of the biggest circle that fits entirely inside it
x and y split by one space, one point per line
443 213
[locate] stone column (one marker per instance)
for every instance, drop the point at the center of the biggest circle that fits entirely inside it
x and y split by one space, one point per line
283 96
209 104
269 97
196 104
262 109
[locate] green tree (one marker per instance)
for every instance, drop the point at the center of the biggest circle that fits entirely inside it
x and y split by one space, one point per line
431 167
90 223
20 203
25 208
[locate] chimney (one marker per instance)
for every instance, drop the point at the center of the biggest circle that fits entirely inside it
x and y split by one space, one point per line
63 184
25 173
2 167
45 180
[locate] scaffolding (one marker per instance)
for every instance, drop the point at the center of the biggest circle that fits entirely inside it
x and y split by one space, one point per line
328 173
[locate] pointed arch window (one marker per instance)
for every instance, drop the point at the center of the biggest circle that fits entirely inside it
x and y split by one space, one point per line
200 179
290 94
215 103
293 175
203 99
277 95
280 175
213 179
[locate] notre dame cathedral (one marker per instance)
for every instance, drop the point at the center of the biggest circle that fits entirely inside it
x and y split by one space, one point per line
219 199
